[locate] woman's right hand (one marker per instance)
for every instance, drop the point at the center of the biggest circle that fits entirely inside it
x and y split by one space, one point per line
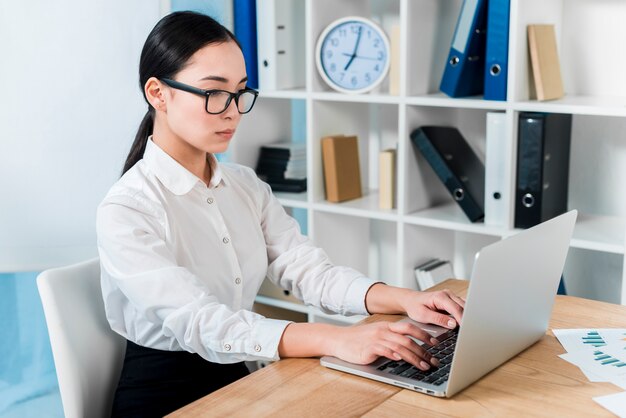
363 344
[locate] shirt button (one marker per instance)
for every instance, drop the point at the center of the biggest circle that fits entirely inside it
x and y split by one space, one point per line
227 347
238 280
210 200
225 240
257 348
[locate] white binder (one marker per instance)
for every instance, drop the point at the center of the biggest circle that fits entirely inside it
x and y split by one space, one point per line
496 175
280 44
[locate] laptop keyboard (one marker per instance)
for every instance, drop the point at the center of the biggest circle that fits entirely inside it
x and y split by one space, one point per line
435 375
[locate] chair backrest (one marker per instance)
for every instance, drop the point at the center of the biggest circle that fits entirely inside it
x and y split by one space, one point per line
88 355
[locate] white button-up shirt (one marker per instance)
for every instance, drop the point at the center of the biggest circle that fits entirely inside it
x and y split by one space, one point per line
182 262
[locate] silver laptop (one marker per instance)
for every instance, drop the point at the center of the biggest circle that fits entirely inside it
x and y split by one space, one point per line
509 301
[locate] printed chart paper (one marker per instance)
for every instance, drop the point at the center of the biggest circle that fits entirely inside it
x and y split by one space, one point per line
615 403
577 339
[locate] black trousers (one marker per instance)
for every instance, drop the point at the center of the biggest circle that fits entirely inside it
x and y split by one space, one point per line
155 382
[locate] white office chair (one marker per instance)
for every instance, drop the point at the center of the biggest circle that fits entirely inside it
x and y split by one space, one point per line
88 355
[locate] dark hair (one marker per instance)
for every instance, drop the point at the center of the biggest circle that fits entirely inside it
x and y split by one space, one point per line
171 43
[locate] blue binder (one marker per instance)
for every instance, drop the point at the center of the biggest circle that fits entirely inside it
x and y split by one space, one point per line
244 15
497 52
464 72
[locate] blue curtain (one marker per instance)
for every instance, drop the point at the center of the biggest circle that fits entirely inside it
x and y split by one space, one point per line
26 366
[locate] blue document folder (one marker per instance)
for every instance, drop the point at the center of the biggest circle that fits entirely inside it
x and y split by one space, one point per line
464 72
245 31
497 52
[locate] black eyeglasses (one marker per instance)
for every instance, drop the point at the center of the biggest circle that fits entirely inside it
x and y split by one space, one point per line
217 101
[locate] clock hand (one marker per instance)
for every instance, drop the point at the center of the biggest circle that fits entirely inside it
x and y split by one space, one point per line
352 56
356 46
361 57
358 40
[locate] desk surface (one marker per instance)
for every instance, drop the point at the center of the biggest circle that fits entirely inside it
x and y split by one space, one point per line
534 383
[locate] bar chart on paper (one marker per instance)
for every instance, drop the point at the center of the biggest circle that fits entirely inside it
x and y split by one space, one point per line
593 339
607 364
587 339
604 359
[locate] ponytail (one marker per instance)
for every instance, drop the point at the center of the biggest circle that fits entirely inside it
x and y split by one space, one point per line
141 139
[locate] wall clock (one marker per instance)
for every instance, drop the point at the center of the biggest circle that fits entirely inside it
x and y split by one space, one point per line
352 55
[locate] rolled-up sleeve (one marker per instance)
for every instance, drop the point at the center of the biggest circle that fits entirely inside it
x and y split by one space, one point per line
176 310
295 264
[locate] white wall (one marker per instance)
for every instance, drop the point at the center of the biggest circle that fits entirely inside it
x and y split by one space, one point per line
70 105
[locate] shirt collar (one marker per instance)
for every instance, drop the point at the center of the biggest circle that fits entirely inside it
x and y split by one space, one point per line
173 175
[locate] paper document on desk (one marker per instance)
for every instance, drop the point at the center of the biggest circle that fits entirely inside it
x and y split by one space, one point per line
577 339
615 403
599 353
607 363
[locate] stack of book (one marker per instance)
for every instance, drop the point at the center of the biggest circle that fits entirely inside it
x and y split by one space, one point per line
432 272
283 166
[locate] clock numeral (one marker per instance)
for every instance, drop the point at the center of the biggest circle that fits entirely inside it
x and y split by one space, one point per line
341 75
355 29
376 43
333 67
329 54
353 81
334 42
367 77
377 68
342 32
381 55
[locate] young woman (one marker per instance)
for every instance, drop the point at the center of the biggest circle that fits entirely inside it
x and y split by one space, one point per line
185 243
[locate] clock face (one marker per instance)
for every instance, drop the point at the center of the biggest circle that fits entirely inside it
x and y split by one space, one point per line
353 55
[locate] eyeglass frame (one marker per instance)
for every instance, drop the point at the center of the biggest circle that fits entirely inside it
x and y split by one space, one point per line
207 93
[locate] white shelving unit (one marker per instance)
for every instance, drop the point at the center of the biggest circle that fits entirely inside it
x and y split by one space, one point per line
388 244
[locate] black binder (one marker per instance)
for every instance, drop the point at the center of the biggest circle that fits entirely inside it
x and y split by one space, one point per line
542 167
456 165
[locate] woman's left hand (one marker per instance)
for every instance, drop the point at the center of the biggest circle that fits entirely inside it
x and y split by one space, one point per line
434 307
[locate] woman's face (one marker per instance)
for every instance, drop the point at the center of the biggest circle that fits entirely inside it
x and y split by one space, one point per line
217 66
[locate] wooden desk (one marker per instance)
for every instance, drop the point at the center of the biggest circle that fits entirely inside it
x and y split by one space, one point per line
534 383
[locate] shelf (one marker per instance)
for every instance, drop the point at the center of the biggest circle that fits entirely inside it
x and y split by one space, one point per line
450 216
600 233
389 243
441 100
338 318
292 200
592 232
296 307
597 233
284 94
265 300
365 207
357 98
577 105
